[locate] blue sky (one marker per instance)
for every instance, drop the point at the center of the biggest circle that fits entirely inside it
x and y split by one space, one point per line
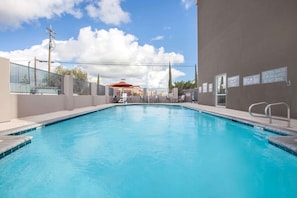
129 39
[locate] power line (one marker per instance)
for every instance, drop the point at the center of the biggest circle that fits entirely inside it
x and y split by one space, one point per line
112 64
124 64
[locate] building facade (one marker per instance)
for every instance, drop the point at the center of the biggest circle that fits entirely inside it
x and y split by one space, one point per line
247 53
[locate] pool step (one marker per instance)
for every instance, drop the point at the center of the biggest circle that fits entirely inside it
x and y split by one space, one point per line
287 143
9 144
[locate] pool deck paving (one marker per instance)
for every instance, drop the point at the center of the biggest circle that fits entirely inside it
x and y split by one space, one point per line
13 137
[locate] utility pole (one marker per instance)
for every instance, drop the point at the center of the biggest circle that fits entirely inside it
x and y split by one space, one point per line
51 46
29 72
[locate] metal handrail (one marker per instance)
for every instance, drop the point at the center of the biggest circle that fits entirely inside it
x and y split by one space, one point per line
268 112
257 104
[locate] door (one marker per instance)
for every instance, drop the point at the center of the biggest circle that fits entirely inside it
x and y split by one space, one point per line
221 92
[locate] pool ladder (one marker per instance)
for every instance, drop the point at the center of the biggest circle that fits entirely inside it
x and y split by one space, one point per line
267 111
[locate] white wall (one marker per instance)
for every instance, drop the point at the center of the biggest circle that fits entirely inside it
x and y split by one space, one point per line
4 90
22 105
28 105
82 101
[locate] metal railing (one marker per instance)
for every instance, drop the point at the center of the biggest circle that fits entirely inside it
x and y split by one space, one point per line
254 105
24 79
81 87
100 90
268 113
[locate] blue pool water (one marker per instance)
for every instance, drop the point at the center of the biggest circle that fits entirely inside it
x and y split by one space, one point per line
148 151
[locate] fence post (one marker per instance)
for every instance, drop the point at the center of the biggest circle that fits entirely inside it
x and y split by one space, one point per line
5 114
68 92
175 94
94 93
145 95
106 94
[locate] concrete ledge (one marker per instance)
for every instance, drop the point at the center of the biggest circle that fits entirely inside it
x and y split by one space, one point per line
17 126
278 127
9 144
287 143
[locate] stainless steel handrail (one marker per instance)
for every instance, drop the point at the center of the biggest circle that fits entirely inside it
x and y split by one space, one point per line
257 104
268 112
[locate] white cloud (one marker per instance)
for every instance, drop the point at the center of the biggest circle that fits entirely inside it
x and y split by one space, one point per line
188 3
158 38
162 77
13 13
108 11
112 53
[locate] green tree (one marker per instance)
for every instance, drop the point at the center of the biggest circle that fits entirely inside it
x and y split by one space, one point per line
62 71
196 76
170 86
51 80
76 72
182 85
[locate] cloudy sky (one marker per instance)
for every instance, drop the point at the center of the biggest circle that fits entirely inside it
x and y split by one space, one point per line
117 39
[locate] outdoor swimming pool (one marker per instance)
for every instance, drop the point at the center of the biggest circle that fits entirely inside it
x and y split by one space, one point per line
148 151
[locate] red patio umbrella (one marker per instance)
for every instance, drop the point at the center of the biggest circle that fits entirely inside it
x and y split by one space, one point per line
121 84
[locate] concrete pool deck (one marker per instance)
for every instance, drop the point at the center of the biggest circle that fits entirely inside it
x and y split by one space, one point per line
9 143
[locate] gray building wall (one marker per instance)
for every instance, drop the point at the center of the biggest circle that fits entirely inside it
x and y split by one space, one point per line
244 38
